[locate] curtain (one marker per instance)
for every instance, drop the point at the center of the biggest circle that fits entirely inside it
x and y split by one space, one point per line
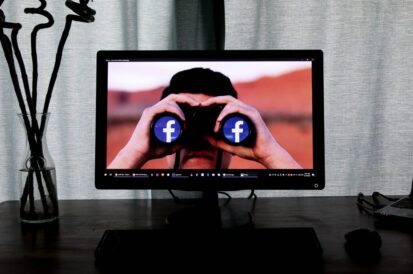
367 68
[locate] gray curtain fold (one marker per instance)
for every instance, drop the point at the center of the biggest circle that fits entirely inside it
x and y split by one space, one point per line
368 66
199 25
367 69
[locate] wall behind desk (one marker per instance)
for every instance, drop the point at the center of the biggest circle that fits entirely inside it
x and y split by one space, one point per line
368 68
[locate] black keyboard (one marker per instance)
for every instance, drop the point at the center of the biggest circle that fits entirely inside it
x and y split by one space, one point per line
404 203
294 248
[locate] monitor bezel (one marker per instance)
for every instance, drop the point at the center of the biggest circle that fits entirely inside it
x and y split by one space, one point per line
213 183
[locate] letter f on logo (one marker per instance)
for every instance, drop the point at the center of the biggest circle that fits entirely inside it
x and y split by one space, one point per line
237 130
168 130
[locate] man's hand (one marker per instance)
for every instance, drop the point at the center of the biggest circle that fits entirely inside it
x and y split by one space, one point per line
266 149
138 151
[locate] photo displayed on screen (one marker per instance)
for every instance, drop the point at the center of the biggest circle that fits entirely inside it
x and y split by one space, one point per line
210 115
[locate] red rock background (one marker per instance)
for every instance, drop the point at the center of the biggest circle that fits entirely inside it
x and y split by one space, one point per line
285 103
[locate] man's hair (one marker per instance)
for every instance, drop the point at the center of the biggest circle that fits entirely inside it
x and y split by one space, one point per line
200 80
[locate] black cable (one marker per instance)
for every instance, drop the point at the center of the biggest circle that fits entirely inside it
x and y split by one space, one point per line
175 198
254 201
181 201
252 194
228 196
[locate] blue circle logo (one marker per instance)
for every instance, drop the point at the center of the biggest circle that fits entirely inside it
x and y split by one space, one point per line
236 130
167 129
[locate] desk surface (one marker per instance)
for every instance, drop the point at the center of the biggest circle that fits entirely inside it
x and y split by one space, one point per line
69 246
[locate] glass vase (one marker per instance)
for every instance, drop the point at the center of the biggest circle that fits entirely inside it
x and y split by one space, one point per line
38 201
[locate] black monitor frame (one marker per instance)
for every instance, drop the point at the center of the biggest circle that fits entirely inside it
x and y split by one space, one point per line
211 183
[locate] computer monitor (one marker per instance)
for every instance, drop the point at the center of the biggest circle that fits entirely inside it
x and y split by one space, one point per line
210 120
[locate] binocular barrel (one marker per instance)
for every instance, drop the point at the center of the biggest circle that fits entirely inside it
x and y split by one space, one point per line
236 129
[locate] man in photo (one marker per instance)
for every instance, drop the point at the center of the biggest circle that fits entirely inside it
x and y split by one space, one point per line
199 87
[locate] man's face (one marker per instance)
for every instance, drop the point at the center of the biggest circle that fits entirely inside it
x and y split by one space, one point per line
203 156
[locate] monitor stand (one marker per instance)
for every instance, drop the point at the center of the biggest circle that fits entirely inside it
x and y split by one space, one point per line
208 236
207 214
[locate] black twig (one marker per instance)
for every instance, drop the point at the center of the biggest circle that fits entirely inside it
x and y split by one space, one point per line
8 52
22 70
52 190
31 196
56 67
38 167
34 130
40 10
84 14
41 191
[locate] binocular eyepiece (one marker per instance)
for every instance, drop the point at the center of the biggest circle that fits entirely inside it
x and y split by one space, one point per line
236 129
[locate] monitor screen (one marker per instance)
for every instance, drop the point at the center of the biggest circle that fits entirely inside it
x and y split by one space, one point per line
210 119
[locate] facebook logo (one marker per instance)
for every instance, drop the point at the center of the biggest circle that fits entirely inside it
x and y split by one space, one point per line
236 130
167 129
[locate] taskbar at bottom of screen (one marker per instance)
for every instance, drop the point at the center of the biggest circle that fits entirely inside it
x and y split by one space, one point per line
207 174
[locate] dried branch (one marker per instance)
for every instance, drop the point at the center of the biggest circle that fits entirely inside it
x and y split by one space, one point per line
84 14
40 10
37 168
8 53
23 72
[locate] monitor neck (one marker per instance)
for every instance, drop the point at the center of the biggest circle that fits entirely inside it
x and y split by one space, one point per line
209 198
207 214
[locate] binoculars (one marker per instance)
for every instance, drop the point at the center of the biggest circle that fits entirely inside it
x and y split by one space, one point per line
236 129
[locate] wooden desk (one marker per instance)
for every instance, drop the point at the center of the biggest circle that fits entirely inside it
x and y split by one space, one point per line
69 246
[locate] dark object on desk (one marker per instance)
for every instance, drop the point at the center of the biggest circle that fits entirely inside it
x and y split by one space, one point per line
293 248
363 245
399 211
